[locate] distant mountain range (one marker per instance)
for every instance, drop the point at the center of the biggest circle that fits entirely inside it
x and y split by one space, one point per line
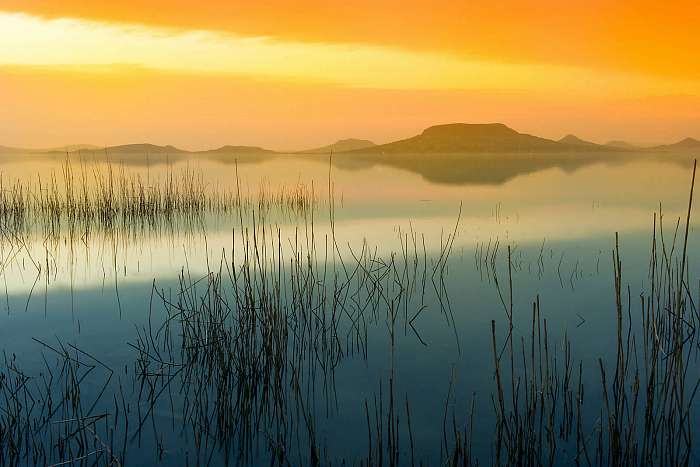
574 140
463 138
9 150
344 145
466 138
454 138
74 148
62 149
139 149
239 150
683 145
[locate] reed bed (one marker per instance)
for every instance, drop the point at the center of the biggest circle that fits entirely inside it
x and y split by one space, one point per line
244 357
255 346
107 198
645 402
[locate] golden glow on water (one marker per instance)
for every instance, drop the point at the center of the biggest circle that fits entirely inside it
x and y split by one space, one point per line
550 205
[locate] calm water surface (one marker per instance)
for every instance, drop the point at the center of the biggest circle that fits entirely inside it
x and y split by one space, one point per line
100 296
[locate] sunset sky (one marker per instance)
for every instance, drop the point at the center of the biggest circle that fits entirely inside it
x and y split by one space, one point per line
293 74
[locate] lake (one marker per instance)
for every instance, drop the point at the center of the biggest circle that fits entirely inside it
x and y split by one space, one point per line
353 310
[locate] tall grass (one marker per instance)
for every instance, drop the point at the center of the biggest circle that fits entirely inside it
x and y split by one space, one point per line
646 393
104 197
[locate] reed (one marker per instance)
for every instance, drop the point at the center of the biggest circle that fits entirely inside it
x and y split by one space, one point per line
108 198
646 396
241 361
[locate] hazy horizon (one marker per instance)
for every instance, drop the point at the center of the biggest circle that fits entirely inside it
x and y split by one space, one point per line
321 144
293 75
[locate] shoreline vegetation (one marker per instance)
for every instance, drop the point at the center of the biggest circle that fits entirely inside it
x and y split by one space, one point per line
110 199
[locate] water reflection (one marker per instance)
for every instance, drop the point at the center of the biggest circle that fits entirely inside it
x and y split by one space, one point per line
387 289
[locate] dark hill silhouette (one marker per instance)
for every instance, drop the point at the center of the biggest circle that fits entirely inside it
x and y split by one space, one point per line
576 141
152 149
449 139
684 145
458 138
239 150
343 145
9 150
71 148
143 149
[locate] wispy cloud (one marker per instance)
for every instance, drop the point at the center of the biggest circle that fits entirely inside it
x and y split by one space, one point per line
30 40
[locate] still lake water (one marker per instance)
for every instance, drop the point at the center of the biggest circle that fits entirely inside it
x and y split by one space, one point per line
435 240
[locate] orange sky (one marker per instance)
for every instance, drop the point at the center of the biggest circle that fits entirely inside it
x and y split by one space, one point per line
290 74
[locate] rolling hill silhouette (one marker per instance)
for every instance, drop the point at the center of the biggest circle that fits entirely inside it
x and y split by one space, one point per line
459 153
72 148
238 150
456 138
452 138
687 144
142 148
576 141
10 150
343 145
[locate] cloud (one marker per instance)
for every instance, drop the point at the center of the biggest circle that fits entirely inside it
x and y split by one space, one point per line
29 40
642 36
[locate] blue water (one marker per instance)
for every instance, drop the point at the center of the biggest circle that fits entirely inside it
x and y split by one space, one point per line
441 367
